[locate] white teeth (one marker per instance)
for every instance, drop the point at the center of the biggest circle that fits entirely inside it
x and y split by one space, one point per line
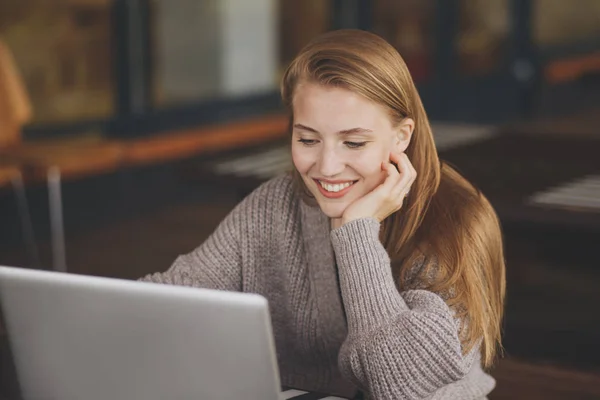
335 188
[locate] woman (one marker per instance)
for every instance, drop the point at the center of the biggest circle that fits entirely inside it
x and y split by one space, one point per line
383 266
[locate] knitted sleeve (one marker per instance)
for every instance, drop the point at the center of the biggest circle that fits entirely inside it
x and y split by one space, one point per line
247 231
399 345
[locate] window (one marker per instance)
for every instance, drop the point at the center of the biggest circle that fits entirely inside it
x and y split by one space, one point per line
482 38
62 49
409 26
557 22
299 22
207 49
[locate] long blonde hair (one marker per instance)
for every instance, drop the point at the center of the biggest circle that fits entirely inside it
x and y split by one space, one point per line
446 225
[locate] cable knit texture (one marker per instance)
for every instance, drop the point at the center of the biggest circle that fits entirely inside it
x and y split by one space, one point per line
333 335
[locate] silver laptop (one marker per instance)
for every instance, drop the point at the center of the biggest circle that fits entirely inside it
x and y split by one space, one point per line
78 337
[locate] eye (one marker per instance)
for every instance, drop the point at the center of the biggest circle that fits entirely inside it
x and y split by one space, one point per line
307 142
355 145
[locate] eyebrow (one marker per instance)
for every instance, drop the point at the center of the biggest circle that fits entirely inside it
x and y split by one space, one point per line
342 132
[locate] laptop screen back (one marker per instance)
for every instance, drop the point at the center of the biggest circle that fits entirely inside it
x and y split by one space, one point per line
79 337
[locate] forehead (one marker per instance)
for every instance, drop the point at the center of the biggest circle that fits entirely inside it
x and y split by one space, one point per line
335 109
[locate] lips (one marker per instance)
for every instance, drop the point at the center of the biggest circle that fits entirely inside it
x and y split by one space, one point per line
334 190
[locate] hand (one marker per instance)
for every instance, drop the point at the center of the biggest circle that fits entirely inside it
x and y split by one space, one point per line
388 197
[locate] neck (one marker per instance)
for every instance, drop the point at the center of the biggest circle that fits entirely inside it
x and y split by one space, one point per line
335 223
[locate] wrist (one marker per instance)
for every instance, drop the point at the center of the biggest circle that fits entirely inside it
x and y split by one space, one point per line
350 219
339 222
347 219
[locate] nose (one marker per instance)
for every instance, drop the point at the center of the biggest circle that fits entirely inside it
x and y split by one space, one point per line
330 163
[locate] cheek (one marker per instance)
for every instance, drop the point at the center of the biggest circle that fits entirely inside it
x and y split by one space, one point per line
374 176
300 159
369 167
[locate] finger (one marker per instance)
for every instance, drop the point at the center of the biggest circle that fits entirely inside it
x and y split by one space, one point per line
387 193
413 171
393 176
408 168
395 159
403 166
393 162
402 163
400 177
406 174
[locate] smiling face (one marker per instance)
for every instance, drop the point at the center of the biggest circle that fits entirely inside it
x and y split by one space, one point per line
339 141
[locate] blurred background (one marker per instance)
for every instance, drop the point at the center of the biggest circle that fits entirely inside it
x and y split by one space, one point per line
130 128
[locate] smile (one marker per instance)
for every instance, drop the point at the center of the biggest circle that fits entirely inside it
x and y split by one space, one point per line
335 187
334 190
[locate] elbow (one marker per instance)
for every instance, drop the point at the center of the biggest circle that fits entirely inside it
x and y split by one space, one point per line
423 360
455 368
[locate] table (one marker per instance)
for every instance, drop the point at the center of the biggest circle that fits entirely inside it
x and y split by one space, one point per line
533 179
53 161
536 179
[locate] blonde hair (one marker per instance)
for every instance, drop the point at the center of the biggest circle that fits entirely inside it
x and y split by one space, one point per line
445 224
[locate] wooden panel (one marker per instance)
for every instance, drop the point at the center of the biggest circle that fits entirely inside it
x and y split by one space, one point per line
177 145
74 160
81 156
566 70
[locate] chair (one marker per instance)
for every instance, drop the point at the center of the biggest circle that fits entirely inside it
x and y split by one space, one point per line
15 110
11 176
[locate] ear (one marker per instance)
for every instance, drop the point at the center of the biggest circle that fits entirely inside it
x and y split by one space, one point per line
404 132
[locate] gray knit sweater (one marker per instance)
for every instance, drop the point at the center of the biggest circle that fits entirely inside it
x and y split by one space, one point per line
360 333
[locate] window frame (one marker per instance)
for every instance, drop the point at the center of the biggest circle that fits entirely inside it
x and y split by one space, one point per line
136 116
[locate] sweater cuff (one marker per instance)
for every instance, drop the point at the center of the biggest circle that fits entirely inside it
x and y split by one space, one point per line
367 284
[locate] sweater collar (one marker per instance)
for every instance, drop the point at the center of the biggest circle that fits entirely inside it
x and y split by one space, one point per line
323 274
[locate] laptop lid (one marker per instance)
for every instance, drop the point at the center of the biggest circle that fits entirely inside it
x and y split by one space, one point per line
79 337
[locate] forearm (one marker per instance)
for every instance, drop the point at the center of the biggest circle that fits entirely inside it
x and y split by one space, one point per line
399 345
366 281
188 271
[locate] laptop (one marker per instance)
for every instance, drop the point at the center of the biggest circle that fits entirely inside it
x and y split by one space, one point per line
75 337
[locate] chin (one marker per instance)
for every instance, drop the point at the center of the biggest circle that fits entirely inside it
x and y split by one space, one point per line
332 211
